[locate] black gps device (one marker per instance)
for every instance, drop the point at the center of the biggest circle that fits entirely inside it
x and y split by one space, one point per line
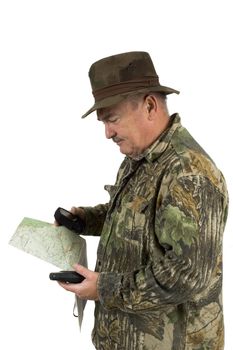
69 220
66 276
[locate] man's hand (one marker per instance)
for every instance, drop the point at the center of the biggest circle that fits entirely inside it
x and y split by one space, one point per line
87 289
78 212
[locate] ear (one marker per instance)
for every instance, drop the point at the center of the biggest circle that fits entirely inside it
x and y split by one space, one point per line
151 105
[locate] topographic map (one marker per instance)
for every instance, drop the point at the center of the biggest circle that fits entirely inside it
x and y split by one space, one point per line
55 244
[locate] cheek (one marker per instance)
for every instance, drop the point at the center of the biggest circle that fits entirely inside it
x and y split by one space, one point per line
135 136
131 144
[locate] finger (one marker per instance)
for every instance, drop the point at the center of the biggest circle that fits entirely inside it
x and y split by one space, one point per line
78 212
73 288
82 270
73 210
68 286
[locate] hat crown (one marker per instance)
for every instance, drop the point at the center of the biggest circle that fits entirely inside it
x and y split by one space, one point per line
117 69
115 77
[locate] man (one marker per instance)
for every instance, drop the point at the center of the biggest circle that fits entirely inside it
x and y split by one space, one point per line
158 277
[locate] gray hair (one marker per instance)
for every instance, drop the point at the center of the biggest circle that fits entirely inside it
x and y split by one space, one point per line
160 97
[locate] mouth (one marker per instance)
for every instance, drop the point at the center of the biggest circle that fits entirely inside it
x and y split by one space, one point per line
117 141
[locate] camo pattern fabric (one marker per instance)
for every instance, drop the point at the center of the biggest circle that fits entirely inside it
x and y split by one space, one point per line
160 251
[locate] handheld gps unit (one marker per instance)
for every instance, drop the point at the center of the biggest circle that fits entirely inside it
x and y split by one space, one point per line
66 276
69 220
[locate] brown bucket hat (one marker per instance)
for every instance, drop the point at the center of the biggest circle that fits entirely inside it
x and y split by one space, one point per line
115 77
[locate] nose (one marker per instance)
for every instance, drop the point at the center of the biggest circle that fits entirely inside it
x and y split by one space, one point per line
109 132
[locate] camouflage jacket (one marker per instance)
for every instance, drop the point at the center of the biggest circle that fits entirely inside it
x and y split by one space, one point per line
160 251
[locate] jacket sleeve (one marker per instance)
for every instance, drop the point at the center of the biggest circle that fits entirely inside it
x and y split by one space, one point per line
95 217
189 223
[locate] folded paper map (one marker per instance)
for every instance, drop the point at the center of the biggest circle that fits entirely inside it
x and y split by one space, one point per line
55 244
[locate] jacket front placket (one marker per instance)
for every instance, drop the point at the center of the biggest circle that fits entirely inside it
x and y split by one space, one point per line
115 193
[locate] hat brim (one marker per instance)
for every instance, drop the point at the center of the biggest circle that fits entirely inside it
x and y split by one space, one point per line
112 100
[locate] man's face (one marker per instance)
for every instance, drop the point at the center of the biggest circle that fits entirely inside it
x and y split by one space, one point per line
127 125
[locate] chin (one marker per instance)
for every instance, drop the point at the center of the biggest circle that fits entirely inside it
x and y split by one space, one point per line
125 151
129 152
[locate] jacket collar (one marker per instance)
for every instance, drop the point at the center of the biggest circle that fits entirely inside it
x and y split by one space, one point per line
153 152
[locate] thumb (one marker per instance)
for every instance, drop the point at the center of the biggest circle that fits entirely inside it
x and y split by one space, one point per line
82 270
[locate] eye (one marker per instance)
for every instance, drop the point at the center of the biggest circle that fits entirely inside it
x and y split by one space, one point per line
114 118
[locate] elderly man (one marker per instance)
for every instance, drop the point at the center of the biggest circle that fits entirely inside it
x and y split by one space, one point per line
158 277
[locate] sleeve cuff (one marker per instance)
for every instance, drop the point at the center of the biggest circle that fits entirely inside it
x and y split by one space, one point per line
94 217
88 217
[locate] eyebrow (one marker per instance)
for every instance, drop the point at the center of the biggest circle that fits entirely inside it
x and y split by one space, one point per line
105 117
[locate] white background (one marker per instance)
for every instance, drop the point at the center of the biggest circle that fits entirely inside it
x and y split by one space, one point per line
50 157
